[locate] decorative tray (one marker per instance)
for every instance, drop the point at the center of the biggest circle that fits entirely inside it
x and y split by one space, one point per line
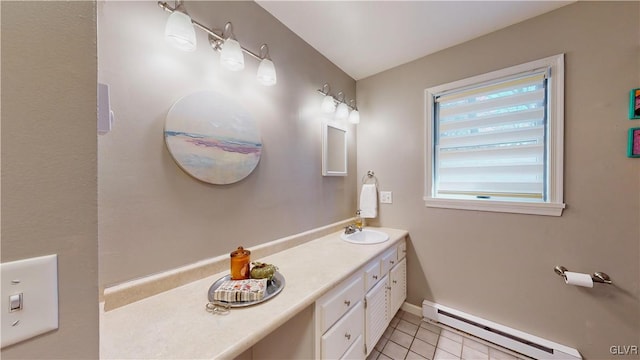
274 287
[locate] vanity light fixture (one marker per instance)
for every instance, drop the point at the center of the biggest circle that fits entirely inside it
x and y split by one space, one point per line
180 31
328 103
354 116
231 51
266 70
342 113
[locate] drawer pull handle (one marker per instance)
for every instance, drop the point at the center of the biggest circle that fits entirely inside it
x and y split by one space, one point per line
348 336
395 282
375 277
388 287
404 251
347 302
392 262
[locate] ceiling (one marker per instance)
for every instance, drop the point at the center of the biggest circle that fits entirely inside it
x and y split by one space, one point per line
364 38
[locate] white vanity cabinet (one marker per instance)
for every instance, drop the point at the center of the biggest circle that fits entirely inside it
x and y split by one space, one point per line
351 317
384 298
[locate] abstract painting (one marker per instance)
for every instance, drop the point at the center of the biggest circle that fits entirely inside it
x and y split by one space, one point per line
633 149
634 104
213 138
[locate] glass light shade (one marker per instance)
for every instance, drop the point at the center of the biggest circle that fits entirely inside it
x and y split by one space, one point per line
328 105
267 73
179 31
354 117
343 111
231 55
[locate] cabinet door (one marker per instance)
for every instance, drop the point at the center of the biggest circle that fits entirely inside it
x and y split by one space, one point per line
376 316
402 249
398 284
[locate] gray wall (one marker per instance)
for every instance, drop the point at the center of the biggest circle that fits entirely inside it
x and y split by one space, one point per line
153 216
49 186
496 266
500 266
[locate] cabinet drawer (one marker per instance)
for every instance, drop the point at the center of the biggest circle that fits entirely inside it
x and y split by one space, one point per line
402 250
356 351
372 274
340 300
344 333
389 259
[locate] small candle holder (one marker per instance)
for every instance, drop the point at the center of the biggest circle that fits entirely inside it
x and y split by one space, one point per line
240 260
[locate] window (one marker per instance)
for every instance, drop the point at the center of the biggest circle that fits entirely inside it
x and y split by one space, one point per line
495 141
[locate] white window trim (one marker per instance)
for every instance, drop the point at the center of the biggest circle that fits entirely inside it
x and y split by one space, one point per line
556 204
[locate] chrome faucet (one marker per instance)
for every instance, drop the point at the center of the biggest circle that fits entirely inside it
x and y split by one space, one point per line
350 229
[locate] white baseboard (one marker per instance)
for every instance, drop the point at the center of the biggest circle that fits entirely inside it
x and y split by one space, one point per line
411 309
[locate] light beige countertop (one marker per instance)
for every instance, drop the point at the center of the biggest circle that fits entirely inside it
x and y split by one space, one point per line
175 325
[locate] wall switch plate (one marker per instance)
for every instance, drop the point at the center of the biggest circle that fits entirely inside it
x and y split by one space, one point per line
386 197
29 298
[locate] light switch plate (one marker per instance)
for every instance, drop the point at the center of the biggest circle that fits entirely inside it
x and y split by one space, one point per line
386 197
37 280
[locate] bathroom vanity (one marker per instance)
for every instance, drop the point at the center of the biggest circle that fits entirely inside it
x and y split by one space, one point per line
338 300
351 318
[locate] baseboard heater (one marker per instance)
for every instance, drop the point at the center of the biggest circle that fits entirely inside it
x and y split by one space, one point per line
518 341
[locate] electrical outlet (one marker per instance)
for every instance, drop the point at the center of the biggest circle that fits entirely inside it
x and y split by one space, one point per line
386 197
29 298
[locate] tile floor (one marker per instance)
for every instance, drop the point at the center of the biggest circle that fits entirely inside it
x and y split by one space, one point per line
410 337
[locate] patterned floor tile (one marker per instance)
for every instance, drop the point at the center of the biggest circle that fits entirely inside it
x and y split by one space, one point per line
409 337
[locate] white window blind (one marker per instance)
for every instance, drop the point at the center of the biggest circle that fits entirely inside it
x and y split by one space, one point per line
490 140
494 141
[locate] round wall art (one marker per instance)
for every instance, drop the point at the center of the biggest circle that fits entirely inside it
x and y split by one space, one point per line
213 138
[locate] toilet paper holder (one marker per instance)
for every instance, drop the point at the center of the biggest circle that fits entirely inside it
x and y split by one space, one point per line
598 276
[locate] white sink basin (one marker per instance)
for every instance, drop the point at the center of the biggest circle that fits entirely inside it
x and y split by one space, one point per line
365 237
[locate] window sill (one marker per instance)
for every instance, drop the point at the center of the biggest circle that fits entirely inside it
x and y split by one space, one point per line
546 209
